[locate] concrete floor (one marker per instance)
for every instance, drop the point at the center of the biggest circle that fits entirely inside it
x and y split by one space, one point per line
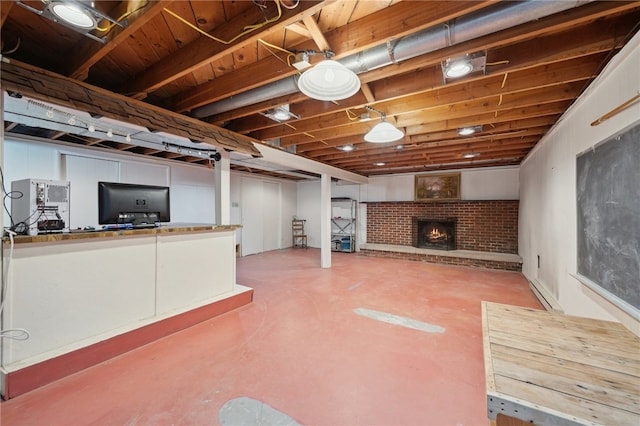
304 349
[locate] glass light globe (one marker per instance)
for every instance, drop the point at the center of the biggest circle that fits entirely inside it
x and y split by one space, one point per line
383 132
329 81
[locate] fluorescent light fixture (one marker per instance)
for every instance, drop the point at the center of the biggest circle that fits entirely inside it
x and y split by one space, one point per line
383 132
469 130
74 14
329 81
346 148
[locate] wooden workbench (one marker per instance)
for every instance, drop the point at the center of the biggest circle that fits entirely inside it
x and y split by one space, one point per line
547 368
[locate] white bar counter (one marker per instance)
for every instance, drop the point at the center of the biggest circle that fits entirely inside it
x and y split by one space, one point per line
85 297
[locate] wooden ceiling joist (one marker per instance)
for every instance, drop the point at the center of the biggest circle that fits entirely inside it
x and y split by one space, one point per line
49 87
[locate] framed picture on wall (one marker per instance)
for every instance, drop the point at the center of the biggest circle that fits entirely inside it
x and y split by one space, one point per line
437 187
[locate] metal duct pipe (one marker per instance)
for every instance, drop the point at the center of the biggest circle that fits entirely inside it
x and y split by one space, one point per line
469 27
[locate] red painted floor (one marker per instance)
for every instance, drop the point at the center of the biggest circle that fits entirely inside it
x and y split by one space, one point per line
301 349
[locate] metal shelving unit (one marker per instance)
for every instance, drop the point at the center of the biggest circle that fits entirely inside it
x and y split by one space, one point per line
343 224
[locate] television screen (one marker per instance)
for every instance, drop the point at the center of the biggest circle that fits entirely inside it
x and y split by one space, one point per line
132 204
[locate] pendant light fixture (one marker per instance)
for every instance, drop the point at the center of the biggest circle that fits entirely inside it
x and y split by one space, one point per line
384 131
329 80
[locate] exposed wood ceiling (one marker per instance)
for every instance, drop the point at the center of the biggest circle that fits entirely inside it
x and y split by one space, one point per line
159 61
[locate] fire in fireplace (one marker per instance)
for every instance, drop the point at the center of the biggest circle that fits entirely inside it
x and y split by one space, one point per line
434 234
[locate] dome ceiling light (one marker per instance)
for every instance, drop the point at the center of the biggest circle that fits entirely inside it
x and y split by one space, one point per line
384 131
470 155
469 130
329 81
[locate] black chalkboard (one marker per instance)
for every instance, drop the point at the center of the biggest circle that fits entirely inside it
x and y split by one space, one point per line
608 195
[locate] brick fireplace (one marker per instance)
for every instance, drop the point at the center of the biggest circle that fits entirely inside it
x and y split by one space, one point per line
433 233
481 227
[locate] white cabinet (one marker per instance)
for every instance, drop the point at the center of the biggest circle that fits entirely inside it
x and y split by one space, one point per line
343 224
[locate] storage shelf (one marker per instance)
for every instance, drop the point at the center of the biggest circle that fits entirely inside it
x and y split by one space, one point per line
343 225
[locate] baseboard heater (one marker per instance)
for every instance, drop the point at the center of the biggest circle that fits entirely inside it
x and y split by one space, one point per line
548 301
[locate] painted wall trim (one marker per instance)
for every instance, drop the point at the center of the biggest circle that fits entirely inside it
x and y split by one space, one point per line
610 297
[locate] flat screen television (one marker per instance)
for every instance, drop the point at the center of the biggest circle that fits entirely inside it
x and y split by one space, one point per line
138 206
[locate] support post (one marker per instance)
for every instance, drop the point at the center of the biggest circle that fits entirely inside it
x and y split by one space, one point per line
222 170
325 220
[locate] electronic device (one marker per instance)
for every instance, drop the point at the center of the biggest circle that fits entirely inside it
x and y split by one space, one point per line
42 208
139 206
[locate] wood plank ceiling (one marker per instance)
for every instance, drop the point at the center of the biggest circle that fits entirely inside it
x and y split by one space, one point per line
208 61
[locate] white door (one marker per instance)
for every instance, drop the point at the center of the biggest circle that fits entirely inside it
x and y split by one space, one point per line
260 206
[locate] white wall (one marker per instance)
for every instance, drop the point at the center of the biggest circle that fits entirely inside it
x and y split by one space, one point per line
264 208
548 188
192 188
482 184
308 208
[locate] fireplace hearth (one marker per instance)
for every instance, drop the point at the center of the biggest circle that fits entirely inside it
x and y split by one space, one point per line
434 233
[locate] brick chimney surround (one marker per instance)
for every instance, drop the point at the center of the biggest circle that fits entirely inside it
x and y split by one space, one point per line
486 232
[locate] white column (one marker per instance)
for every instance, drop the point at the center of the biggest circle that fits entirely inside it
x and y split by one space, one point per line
325 220
222 170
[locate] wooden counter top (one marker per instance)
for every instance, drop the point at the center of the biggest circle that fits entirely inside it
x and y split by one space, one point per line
553 369
176 228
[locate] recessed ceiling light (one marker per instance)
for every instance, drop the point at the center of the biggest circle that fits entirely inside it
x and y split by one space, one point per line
379 163
471 155
469 130
281 115
346 147
78 15
461 66
399 147
73 14
458 69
